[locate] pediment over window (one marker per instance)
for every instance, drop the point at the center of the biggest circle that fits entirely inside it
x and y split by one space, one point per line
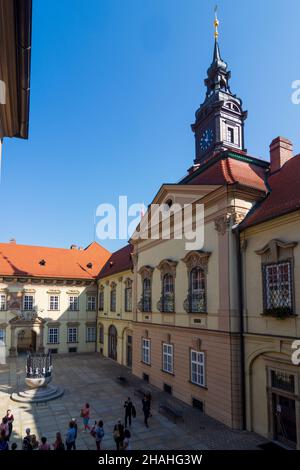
146 272
167 266
128 282
276 250
195 259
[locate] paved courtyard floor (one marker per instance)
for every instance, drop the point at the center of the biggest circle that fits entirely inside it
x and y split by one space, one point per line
92 378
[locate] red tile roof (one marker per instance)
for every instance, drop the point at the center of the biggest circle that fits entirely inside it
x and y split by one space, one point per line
229 171
284 194
40 261
119 261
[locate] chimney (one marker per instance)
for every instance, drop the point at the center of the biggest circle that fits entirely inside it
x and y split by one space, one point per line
73 247
281 150
12 241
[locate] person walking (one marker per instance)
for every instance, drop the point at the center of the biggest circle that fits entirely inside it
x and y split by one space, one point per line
118 434
127 440
99 434
27 445
10 420
128 405
58 444
5 427
3 440
44 444
34 442
70 437
146 409
85 414
76 431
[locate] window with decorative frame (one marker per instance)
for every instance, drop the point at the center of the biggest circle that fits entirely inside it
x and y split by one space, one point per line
53 302
90 334
128 295
73 302
2 301
197 361
72 334
28 300
146 351
113 297
166 302
101 299
145 303
53 335
167 353
278 286
197 268
277 278
91 302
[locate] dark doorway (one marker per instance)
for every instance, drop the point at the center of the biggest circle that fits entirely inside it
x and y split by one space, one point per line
129 351
112 342
26 341
284 418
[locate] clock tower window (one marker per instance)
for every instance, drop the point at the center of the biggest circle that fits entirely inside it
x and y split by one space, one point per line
230 135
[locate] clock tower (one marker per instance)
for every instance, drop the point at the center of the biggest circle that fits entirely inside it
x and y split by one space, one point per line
219 121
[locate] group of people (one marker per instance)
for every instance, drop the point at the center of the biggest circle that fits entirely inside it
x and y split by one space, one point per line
121 433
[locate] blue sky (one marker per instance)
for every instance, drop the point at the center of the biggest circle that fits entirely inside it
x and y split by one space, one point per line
115 84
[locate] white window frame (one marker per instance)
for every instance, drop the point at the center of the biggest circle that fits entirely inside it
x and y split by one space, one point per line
146 351
168 358
91 303
90 334
230 135
26 301
72 334
53 335
197 360
3 335
53 304
2 302
74 304
128 299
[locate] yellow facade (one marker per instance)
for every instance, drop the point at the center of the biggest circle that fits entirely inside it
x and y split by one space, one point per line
115 339
273 407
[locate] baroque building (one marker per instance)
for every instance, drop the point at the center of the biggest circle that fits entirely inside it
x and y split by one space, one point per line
48 298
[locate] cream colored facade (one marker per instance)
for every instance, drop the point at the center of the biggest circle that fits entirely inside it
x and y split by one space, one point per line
212 336
273 405
115 327
25 324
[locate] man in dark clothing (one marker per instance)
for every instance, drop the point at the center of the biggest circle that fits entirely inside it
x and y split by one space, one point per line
128 411
146 409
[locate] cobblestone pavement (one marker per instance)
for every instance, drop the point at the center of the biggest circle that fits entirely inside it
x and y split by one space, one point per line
92 378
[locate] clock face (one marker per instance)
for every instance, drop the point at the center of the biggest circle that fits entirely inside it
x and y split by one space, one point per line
207 139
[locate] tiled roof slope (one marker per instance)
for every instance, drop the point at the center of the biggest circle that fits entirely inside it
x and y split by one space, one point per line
284 194
40 261
119 261
244 170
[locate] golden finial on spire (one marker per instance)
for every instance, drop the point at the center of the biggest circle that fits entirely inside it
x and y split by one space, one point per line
216 24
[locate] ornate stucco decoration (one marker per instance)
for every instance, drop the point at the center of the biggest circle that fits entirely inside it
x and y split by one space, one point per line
128 282
272 250
232 217
195 259
146 271
167 266
113 285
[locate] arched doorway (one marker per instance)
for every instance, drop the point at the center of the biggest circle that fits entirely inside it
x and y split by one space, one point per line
112 342
26 340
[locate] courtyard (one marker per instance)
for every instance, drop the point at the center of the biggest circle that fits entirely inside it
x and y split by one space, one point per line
94 379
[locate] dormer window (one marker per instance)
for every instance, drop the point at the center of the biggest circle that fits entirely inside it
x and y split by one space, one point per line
42 262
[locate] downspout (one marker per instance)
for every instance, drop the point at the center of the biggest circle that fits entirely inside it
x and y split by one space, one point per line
241 329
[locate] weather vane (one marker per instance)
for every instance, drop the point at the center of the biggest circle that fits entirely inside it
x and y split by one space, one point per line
216 23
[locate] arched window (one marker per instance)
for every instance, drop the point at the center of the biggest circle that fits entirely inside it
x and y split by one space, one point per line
168 293
146 295
113 297
112 342
197 296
